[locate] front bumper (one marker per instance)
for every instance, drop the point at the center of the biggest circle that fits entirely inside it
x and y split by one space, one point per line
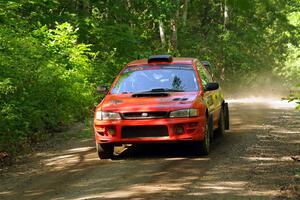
178 129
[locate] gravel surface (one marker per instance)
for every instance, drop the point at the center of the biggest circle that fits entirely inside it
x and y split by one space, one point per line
252 161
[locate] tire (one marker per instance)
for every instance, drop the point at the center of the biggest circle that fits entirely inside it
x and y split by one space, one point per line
204 147
105 151
226 116
221 127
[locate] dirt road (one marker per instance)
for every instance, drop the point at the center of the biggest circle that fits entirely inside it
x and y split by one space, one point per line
252 161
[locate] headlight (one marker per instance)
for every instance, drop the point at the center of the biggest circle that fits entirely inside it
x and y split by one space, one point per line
107 115
191 112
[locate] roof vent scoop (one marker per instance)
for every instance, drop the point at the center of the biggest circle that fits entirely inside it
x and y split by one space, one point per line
160 58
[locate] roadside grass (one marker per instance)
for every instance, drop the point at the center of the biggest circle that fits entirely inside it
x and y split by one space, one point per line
79 130
87 131
84 133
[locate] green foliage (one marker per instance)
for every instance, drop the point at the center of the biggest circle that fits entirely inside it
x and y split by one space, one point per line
295 97
291 68
44 82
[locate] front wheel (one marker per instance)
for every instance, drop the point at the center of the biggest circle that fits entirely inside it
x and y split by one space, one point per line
105 151
204 146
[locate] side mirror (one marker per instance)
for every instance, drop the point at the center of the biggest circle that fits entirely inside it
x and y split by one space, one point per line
211 86
102 89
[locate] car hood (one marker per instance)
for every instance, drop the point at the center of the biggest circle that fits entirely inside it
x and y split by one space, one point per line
127 103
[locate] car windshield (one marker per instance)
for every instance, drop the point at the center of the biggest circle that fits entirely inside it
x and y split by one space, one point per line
156 78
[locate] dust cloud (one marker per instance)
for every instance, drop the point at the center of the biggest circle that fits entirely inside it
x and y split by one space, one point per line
267 90
273 102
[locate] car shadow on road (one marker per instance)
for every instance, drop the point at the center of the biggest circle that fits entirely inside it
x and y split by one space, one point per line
162 150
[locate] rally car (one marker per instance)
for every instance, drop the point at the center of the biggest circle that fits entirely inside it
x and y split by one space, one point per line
161 99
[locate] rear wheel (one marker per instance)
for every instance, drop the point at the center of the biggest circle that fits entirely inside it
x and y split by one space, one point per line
221 128
226 116
105 151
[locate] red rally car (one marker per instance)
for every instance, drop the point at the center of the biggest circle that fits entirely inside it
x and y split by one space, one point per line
160 99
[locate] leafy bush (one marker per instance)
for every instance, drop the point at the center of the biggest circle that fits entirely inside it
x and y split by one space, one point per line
295 96
44 83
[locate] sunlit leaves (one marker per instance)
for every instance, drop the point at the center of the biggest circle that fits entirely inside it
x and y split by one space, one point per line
44 82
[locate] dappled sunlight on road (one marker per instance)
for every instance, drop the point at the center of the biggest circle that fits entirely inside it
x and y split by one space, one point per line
257 158
222 187
137 191
77 150
267 194
5 192
70 157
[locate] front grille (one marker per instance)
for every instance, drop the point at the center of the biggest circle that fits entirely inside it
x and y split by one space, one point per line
144 131
145 115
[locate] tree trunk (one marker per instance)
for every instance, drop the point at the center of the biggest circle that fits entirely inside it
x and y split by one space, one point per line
185 12
174 32
162 34
86 6
224 10
128 7
226 17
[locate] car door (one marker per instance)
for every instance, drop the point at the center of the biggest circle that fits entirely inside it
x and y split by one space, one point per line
217 94
208 95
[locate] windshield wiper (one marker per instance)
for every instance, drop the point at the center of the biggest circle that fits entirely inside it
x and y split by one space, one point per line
156 92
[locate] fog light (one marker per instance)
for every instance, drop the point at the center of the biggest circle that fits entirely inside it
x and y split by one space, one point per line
179 129
111 130
100 133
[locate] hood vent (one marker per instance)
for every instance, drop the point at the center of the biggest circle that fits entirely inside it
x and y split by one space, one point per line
151 94
180 99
